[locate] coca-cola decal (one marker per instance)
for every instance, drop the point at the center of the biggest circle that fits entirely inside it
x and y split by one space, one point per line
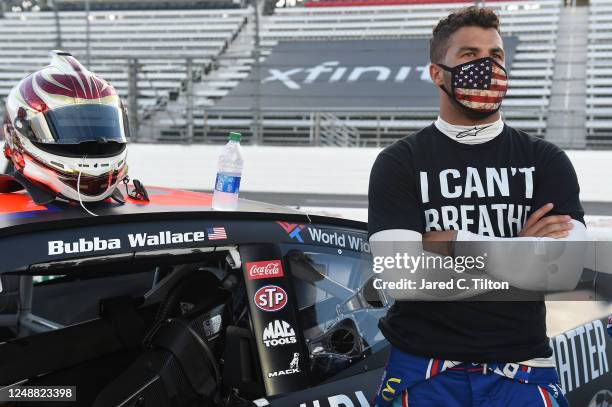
270 298
264 269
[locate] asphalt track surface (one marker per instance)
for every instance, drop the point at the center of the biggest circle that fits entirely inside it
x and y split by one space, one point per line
361 201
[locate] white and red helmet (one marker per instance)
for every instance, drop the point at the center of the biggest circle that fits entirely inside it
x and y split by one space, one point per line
63 122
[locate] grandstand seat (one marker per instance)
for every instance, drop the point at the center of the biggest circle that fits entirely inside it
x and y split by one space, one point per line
160 39
599 74
535 23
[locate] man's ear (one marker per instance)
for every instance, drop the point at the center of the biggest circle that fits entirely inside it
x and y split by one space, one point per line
437 74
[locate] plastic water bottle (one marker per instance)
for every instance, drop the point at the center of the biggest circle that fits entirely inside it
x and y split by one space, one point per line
229 172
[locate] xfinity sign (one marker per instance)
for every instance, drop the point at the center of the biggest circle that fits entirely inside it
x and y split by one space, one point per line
331 72
388 73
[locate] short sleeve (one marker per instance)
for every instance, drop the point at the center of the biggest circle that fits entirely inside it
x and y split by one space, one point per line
557 183
392 197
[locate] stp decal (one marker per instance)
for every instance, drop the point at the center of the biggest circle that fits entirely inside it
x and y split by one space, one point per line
264 269
270 298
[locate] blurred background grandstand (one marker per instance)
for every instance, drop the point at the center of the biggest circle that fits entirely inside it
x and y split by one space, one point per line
313 72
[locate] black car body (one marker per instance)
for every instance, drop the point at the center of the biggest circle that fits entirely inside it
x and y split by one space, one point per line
172 303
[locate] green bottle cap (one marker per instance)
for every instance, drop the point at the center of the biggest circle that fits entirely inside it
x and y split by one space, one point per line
233 136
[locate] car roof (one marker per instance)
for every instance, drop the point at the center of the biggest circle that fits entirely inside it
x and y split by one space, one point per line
31 231
19 213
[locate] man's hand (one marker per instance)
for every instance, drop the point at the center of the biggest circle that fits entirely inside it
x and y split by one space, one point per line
555 226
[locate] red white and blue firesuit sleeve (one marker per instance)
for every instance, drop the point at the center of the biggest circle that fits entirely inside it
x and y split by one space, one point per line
414 381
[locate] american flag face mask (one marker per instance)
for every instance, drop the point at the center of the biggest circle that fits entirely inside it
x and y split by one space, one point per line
479 85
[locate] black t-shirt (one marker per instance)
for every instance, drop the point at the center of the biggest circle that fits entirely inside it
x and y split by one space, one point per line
426 182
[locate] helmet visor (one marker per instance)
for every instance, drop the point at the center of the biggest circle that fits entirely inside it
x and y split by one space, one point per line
80 123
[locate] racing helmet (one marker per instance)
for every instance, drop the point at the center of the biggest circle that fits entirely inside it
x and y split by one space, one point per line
66 131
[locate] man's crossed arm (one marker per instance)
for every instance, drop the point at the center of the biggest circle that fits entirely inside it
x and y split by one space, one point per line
548 255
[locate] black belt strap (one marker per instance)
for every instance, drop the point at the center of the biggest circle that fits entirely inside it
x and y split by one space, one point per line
122 314
192 353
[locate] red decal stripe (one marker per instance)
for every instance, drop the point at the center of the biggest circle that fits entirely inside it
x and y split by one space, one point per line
434 368
545 397
18 202
30 96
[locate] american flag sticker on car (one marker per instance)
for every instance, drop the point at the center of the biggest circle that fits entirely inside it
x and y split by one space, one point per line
216 233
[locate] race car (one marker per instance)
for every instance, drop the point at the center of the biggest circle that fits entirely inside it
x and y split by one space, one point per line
167 302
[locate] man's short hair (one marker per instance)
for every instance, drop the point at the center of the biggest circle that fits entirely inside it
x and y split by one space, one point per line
469 16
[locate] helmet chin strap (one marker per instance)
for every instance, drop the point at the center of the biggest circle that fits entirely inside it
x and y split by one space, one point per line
79 187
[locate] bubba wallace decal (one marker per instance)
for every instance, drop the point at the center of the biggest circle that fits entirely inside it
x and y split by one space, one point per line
265 269
270 298
166 237
277 333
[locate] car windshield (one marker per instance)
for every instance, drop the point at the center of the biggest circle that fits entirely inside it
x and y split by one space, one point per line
333 299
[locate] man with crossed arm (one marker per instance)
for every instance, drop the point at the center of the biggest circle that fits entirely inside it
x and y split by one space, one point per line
474 184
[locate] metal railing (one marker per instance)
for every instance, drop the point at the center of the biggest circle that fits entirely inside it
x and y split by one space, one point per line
332 131
373 127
